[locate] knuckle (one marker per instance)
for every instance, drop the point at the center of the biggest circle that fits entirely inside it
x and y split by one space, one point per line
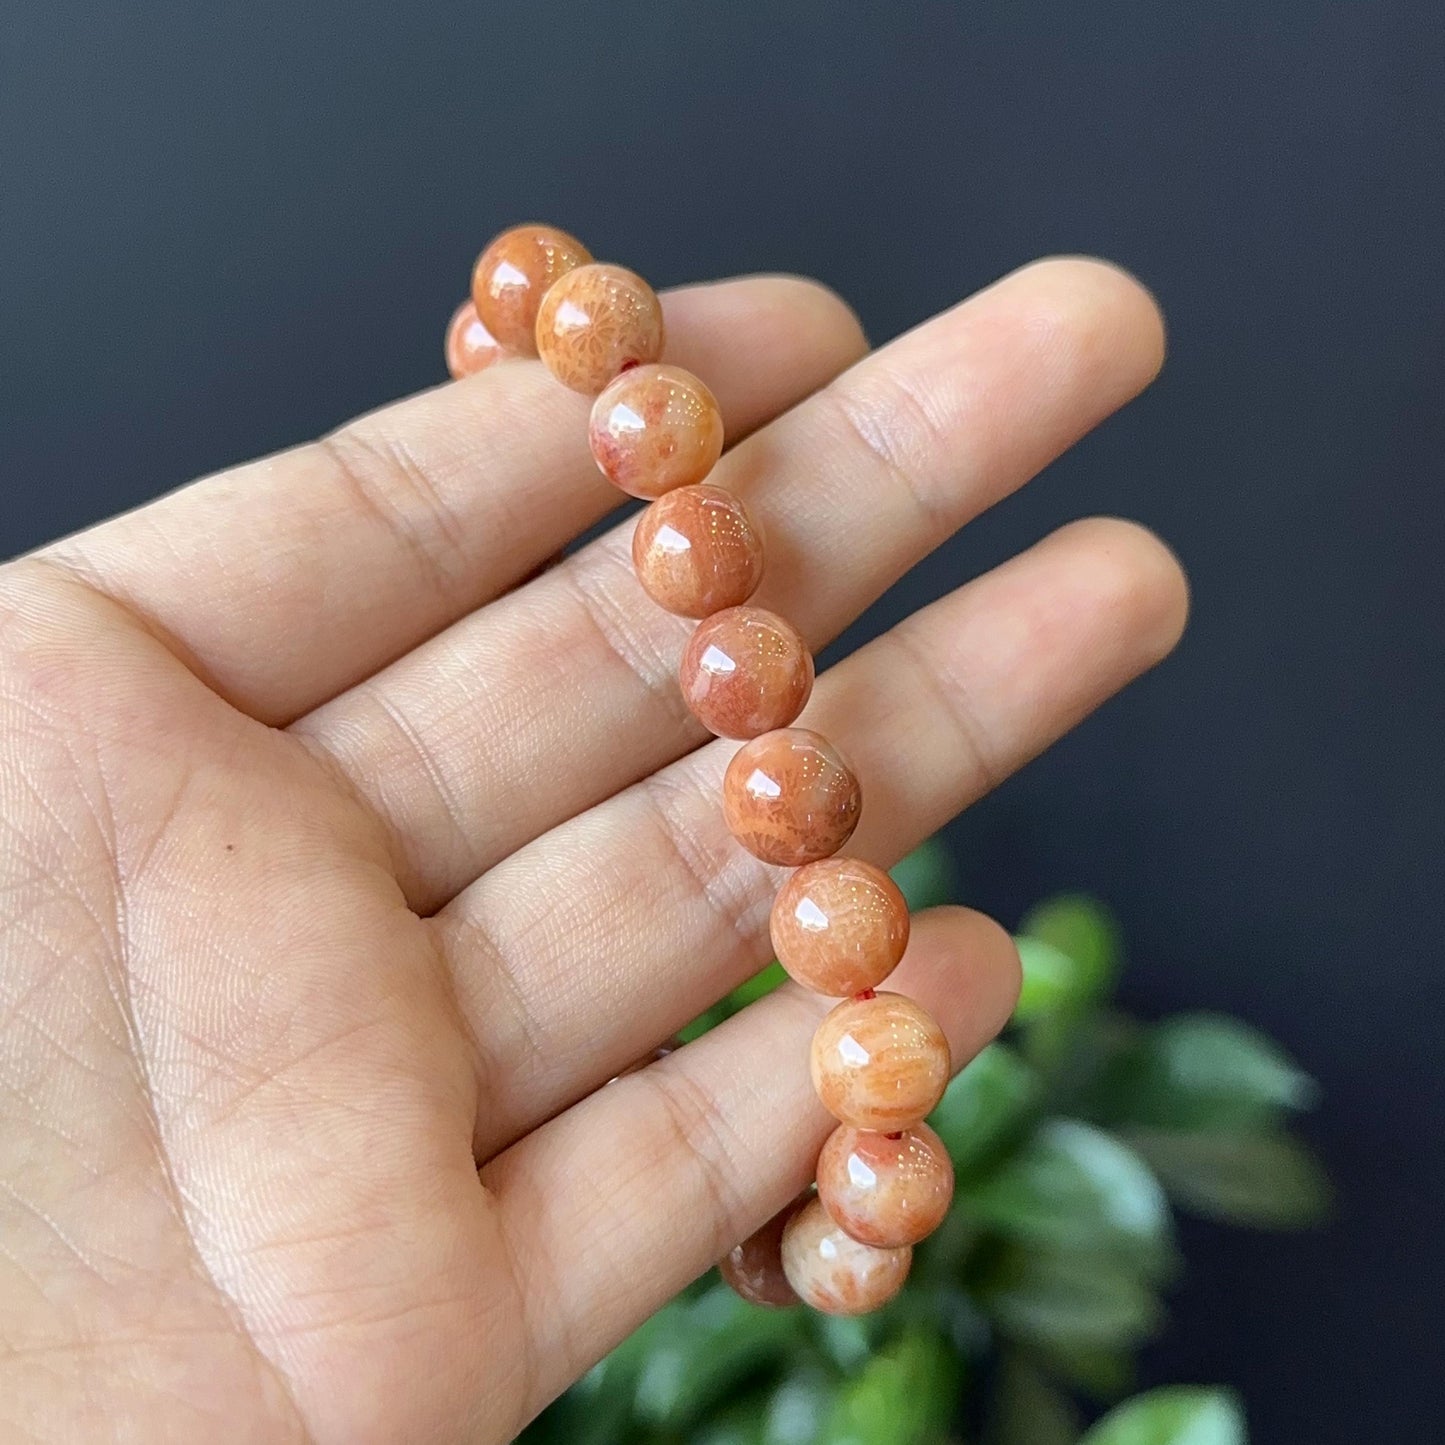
696 1130
895 430
380 476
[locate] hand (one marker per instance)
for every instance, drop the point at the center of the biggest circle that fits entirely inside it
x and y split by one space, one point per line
338 857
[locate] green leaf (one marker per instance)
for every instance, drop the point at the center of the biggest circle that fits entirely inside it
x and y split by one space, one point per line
1073 1187
1204 1071
740 1424
986 1108
1093 1077
1052 981
1084 932
926 876
798 1408
716 1344
1069 1301
1098 1370
702 1023
905 1395
1027 1409
1178 1415
1268 1180
847 1340
597 1410
758 986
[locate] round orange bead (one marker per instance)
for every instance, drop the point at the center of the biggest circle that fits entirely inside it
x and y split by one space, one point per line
754 1268
835 1273
883 1189
514 273
745 672
655 428
789 797
697 550
880 1063
470 347
840 926
595 322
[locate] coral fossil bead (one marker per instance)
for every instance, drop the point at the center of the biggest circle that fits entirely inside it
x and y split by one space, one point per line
697 550
840 926
745 672
655 428
470 347
835 1273
595 322
789 797
754 1268
880 1063
514 273
885 1190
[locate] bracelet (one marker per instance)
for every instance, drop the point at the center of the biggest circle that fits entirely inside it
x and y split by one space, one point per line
839 926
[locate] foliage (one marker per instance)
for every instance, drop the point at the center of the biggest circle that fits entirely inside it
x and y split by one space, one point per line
1073 1139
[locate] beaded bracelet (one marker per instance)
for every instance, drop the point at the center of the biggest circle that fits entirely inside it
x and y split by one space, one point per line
839 926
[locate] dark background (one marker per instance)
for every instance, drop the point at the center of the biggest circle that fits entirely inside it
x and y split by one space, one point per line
225 228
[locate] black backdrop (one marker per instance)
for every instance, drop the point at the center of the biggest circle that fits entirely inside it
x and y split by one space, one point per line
224 228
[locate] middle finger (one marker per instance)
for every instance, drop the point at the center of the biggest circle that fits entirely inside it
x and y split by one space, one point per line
564 692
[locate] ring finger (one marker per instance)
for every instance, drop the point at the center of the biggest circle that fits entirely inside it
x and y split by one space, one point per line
581 951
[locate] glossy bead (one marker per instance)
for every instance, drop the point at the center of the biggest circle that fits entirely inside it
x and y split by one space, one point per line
754 1268
470 347
880 1063
596 322
883 1190
839 926
512 276
655 428
789 798
835 1273
745 672
696 551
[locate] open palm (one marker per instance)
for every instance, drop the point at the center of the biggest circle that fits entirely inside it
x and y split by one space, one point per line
335 862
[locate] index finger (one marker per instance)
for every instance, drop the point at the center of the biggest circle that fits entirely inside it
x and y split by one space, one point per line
287 580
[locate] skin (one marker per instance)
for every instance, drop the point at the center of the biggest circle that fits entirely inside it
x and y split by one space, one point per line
335 864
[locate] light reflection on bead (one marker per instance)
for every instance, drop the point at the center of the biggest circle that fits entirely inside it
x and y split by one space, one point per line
595 322
514 273
884 1189
790 798
834 1273
880 1063
697 550
655 428
745 672
839 926
469 347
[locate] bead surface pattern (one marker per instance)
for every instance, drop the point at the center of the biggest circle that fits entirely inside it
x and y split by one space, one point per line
654 428
697 550
595 322
885 1190
880 1063
834 1273
839 926
754 1268
790 798
745 672
514 273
